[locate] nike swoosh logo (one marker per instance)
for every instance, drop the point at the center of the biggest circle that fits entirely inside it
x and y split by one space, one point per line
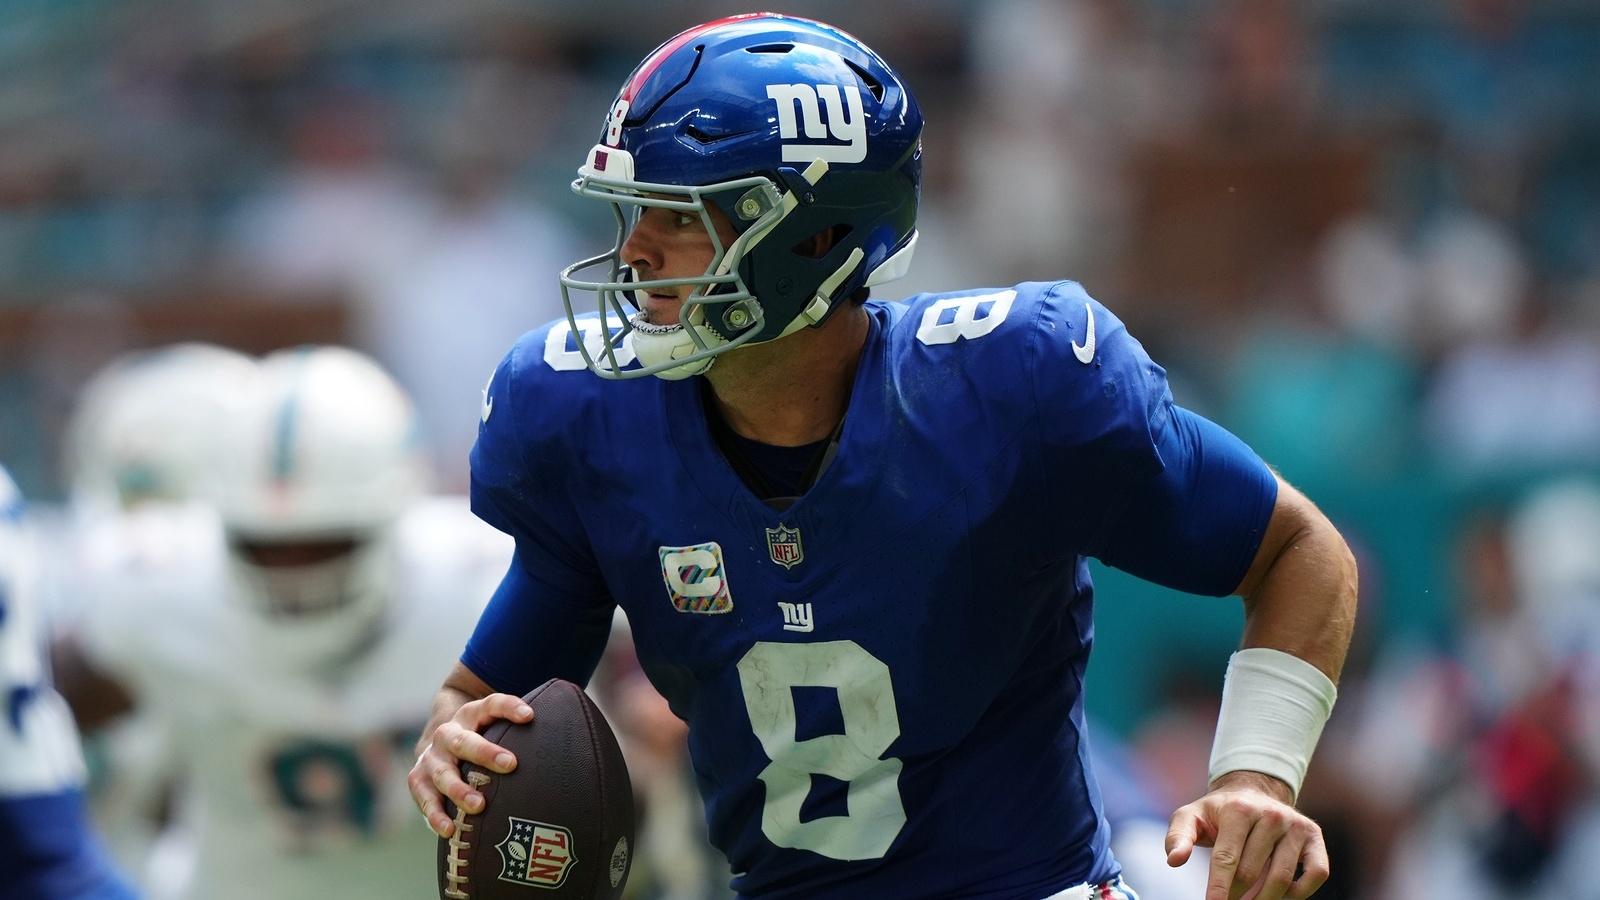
1084 352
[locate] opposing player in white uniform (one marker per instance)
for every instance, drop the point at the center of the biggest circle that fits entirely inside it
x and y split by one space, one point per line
143 432
285 640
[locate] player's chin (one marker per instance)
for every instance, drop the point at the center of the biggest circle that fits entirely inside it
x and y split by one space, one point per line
661 310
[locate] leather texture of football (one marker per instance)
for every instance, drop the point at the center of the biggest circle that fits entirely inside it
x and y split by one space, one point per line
561 823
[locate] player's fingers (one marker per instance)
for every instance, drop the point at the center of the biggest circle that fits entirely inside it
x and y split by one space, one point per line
1268 830
1313 865
445 774
479 713
1182 832
429 801
1234 819
466 744
441 765
1279 873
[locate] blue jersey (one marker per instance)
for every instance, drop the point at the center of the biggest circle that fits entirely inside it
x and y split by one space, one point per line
884 682
47 849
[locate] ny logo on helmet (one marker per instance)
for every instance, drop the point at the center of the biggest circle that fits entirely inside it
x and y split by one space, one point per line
810 99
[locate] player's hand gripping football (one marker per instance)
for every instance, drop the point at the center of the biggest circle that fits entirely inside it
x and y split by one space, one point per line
1259 841
437 772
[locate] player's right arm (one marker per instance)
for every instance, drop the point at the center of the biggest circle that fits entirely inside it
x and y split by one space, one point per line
464 706
551 614
133 574
530 632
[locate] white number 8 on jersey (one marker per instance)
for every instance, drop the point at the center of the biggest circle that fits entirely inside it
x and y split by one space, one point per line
965 321
866 702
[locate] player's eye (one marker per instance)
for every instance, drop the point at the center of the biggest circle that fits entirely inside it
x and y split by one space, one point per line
684 220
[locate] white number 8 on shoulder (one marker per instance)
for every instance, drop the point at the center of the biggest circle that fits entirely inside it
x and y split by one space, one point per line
970 317
866 702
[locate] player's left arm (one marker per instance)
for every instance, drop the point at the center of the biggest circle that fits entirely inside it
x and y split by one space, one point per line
1300 601
1215 510
1169 496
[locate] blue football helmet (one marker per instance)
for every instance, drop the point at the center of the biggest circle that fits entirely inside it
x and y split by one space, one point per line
791 128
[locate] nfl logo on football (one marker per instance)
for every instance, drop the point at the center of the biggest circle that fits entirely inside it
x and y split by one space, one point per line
783 545
536 854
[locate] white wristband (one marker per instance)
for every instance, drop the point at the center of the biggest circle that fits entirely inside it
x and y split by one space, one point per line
1273 708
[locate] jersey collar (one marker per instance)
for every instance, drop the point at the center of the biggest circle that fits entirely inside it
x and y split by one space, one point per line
840 496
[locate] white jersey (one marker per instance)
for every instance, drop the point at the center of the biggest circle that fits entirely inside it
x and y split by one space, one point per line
39 751
293 782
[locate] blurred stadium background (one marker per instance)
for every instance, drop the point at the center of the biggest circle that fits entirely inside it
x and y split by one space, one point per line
1363 234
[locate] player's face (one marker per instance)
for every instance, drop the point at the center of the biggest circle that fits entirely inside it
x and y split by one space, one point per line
302 578
667 243
295 554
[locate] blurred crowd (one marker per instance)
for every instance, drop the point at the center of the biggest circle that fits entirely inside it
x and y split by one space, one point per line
1364 235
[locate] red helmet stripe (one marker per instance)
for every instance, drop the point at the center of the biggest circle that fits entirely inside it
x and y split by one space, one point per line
654 60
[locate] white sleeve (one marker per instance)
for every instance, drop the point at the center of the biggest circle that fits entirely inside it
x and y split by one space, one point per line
152 590
39 750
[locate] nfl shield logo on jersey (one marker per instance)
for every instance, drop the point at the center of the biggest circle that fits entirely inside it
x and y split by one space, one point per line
783 544
536 854
697 581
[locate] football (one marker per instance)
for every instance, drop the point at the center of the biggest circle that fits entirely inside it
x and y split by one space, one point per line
562 821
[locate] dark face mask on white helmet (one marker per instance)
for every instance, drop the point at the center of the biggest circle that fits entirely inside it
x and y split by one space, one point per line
320 471
314 602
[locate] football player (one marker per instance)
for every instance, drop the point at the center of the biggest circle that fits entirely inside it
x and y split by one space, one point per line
47 851
285 637
143 432
851 536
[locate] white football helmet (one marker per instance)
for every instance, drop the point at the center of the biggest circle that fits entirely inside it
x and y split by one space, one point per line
318 473
146 426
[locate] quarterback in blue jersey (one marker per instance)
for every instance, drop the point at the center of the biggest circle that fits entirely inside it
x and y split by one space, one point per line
851 535
48 851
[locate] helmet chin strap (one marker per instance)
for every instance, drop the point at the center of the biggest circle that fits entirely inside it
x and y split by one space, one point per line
655 345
